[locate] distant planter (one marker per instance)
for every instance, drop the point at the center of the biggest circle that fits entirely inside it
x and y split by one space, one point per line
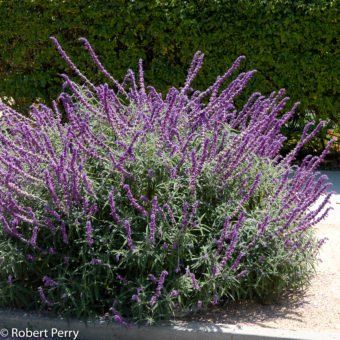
122 201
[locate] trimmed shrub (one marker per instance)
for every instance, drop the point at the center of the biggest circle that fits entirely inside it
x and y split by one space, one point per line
119 199
292 44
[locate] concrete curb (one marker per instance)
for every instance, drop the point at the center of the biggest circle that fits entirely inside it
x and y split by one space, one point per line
18 321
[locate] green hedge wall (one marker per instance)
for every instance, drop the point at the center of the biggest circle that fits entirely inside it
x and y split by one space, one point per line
291 43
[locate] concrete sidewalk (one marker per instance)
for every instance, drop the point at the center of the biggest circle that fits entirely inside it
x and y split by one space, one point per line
16 322
333 217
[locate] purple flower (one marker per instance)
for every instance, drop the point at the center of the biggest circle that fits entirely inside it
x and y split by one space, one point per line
242 274
51 251
185 214
133 201
114 213
152 278
122 279
30 258
215 271
64 233
48 282
118 318
195 283
43 298
96 262
135 298
150 173
160 284
215 299
34 236
10 280
128 233
236 263
89 231
174 293
153 219
153 300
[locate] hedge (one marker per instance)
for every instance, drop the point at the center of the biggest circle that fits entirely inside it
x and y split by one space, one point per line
292 44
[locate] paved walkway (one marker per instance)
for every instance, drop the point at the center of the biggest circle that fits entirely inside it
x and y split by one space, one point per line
334 177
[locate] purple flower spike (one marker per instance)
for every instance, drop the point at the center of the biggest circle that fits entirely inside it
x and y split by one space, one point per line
114 213
195 283
89 232
43 298
128 233
153 219
160 284
133 201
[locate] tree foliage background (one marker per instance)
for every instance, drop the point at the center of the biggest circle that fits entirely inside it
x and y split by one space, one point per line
293 44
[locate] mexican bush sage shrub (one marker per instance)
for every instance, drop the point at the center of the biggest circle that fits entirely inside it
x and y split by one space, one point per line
119 201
